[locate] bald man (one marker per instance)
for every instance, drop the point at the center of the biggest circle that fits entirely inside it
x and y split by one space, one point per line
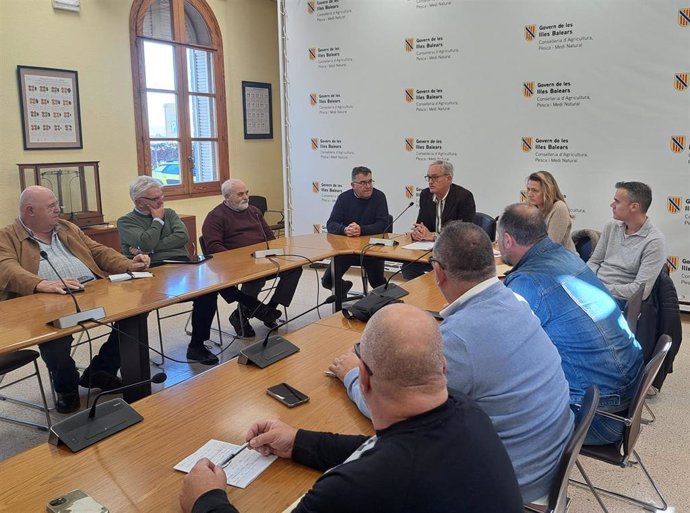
78 259
235 224
431 452
499 355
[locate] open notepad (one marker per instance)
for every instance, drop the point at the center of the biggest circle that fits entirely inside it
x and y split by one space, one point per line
241 471
134 275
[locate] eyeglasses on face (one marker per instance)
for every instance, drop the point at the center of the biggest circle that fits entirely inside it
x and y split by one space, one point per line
433 178
432 260
366 367
364 183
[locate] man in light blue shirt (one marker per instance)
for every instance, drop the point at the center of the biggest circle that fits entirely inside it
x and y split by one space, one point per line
497 354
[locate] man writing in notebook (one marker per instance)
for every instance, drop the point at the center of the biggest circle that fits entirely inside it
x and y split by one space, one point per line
431 452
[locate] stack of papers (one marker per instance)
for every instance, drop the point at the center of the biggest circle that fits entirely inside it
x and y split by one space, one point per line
130 276
421 245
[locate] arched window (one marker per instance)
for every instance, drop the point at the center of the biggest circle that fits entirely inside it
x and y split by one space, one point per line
179 95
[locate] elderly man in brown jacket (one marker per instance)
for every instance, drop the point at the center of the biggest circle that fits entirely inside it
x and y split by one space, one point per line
78 259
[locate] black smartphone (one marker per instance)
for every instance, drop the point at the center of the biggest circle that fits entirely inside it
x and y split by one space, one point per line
436 315
287 395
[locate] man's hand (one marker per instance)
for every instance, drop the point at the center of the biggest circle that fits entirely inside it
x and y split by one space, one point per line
56 287
421 232
203 477
134 251
158 213
343 364
140 262
353 230
272 437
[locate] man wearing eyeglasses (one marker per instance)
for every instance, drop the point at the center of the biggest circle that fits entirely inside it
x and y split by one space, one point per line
159 232
441 202
37 239
431 451
362 210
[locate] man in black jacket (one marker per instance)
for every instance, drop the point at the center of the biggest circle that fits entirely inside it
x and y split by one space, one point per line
441 202
431 452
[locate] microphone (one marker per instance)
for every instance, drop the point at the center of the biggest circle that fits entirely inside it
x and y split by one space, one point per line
389 289
85 428
274 349
263 253
156 378
68 321
383 241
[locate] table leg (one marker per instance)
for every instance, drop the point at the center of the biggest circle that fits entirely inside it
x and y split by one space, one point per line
134 356
336 270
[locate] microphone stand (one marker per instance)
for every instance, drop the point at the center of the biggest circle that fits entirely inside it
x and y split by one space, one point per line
263 253
383 240
389 289
68 321
274 349
87 427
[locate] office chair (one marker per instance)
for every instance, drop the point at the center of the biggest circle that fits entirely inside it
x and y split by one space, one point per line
558 492
620 453
16 360
261 203
487 223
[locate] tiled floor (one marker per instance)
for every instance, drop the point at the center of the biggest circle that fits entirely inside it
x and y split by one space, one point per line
664 445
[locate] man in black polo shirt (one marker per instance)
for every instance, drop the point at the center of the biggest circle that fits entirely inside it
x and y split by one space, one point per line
361 210
431 452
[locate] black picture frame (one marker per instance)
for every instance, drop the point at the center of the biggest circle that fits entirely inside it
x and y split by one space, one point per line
50 108
257 110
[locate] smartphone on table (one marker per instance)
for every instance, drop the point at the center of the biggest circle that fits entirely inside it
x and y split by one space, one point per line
287 395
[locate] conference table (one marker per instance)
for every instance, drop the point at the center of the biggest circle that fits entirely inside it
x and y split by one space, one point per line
24 321
133 470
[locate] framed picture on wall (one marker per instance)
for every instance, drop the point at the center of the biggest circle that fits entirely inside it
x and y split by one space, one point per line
258 110
49 102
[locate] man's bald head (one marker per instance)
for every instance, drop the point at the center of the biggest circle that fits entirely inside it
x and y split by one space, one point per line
402 346
39 209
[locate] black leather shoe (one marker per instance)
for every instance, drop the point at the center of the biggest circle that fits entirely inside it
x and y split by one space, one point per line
202 355
266 313
68 402
242 327
100 379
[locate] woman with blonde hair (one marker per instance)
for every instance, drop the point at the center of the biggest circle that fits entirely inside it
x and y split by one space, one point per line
543 193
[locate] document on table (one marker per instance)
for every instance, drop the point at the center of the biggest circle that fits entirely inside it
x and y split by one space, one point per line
241 471
424 245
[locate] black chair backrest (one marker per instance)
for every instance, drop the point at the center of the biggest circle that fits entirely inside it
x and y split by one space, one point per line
633 308
584 248
202 245
259 202
632 432
558 497
487 223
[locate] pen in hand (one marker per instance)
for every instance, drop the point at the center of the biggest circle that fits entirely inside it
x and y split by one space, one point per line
227 460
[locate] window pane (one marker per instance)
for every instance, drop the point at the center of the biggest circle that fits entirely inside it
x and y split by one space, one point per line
158 21
205 161
162 114
165 162
202 116
195 27
160 66
199 71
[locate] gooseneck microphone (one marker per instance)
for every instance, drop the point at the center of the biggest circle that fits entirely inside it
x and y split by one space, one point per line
273 349
156 378
68 321
383 241
263 253
389 289
85 428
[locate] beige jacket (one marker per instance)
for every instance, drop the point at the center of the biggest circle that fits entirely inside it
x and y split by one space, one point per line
19 257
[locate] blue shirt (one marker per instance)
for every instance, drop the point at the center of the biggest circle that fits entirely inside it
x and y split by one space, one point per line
583 321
